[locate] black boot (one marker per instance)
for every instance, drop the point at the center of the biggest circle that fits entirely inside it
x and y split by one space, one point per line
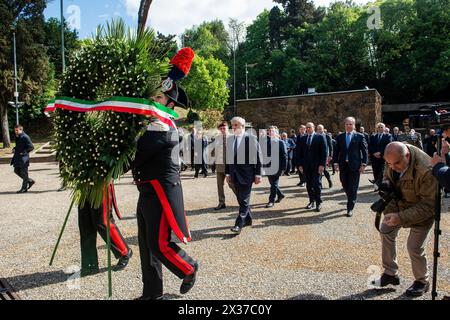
189 281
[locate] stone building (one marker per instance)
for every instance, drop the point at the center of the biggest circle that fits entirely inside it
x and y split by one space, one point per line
329 109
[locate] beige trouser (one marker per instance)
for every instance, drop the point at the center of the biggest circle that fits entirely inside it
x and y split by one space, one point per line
416 244
220 183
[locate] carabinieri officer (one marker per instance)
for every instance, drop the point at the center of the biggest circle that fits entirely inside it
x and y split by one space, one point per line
160 209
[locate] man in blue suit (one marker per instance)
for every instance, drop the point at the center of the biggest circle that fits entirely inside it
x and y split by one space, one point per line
275 164
350 158
377 145
21 158
243 168
313 159
290 146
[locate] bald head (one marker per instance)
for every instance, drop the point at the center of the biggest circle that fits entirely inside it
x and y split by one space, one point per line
396 148
397 156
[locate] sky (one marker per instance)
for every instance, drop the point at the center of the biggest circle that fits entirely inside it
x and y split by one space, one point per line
166 16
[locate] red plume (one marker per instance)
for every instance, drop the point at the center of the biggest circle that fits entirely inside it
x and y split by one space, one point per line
183 60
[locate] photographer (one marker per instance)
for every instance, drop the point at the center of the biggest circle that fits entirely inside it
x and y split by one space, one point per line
440 163
409 173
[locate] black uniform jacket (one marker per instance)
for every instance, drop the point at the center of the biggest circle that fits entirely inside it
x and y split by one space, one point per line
156 168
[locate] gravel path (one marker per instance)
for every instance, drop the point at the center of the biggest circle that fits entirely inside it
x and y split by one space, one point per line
288 253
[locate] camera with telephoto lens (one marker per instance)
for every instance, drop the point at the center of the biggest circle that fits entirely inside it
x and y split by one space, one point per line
439 116
387 193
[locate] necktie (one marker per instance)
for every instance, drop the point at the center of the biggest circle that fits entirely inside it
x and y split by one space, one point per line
309 140
348 138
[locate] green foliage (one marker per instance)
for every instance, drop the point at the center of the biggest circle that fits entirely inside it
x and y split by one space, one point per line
301 46
206 84
210 39
53 43
94 148
34 69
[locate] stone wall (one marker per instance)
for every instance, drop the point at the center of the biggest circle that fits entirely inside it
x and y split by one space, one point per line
329 109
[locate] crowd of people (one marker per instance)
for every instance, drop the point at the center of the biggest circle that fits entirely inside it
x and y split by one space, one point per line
241 158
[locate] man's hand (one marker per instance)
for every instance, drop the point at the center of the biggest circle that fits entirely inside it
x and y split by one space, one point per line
436 159
362 169
300 169
336 167
377 155
258 179
392 219
321 169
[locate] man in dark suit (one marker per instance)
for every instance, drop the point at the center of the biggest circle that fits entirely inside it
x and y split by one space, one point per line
243 168
21 158
321 130
378 143
275 164
350 158
301 133
362 130
293 137
290 146
192 146
430 143
313 159
395 133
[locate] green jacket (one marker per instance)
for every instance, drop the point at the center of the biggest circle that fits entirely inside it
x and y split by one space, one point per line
418 188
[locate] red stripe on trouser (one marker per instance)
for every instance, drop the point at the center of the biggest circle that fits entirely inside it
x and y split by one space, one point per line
114 201
167 210
168 252
115 237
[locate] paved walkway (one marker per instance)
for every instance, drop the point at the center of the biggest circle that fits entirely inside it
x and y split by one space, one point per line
289 252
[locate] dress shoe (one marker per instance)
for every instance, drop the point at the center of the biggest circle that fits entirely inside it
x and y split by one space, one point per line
189 281
302 184
417 289
349 213
236 229
318 207
310 205
148 298
386 280
220 207
22 191
123 261
280 198
30 184
269 205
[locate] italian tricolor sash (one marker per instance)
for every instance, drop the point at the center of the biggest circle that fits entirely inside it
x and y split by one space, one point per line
118 104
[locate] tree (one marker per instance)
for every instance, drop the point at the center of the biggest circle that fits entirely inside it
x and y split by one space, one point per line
206 84
53 43
143 13
33 72
209 39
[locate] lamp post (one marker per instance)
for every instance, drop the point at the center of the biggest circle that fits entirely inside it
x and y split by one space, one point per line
234 80
62 38
16 92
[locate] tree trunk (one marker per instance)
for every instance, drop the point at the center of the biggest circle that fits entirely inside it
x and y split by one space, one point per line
4 124
143 13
